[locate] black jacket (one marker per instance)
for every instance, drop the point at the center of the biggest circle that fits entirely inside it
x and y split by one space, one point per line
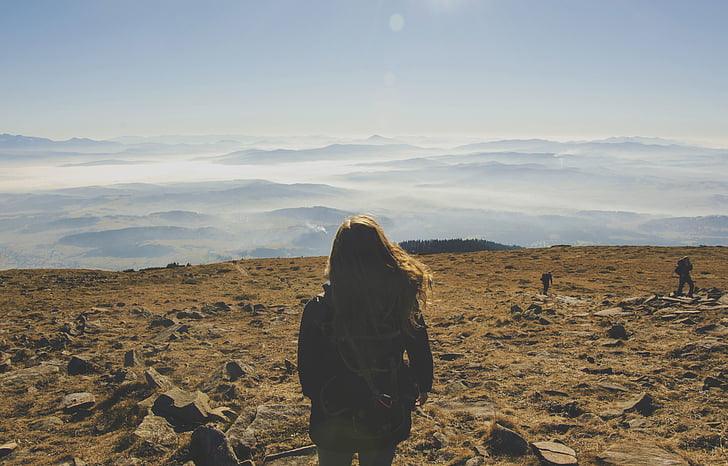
319 361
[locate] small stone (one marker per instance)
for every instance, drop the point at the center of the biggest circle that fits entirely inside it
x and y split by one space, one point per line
7 448
77 401
456 387
617 332
170 333
157 380
157 432
81 364
610 414
614 312
475 461
612 343
710 382
46 424
131 359
505 441
553 453
642 404
238 368
612 387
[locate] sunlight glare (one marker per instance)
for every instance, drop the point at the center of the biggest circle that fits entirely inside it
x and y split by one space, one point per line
396 22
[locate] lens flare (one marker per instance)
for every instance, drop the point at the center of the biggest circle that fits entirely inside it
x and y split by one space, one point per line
396 22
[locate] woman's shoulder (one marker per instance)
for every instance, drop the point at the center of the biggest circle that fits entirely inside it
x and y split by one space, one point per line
319 308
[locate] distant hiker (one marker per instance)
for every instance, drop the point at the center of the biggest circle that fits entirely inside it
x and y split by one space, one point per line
683 269
546 279
351 345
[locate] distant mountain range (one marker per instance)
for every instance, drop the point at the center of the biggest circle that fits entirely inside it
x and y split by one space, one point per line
140 202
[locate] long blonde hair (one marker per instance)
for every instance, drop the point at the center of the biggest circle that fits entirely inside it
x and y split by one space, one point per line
376 286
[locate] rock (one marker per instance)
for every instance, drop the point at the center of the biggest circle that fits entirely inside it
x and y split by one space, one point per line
639 454
223 414
614 312
183 408
612 343
81 364
170 333
215 308
157 380
718 330
291 367
131 359
77 401
120 376
572 409
238 368
7 448
455 387
617 332
303 456
163 321
636 300
229 372
211 447
475 461
642 404
6 365
70 461
553 453
157 433
710 382
504 441
28 376
477 408
441 440
46 424
267 421
600 370
610 414
612 387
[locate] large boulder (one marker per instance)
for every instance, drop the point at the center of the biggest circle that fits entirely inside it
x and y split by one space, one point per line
183 408
211 447
269 420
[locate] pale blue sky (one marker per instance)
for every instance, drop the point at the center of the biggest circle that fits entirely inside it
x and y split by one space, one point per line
489 68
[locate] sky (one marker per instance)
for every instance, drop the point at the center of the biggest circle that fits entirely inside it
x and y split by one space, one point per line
560 69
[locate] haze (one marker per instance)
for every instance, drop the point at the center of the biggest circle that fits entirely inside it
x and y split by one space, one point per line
138 133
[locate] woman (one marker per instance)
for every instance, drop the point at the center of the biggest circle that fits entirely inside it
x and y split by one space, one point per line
351 345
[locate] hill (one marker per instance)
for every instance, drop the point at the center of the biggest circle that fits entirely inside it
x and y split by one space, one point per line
606 364
434 246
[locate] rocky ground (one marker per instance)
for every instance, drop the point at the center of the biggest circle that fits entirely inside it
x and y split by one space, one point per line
180 364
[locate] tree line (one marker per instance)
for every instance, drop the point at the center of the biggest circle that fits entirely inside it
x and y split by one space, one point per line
434 246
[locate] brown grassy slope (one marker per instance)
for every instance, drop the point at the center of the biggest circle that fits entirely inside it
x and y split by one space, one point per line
531 371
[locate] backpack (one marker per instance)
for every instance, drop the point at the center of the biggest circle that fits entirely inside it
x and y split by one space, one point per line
683 265
371 413
375 403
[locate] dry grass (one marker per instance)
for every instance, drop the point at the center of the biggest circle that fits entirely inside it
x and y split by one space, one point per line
532 372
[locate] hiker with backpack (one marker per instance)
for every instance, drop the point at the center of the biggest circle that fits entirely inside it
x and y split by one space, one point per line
351 344
682 269
546 280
